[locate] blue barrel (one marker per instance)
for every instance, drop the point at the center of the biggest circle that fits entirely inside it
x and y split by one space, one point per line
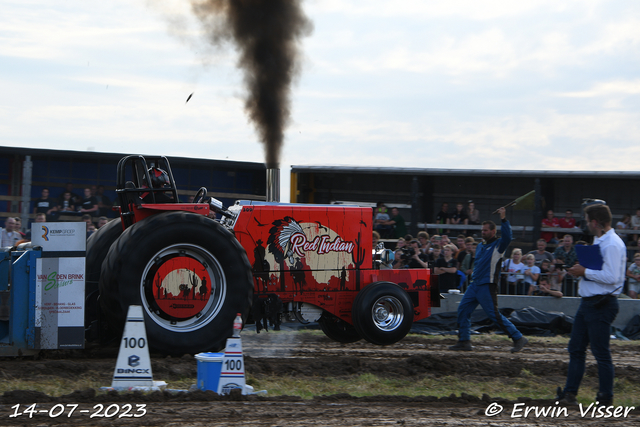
209 368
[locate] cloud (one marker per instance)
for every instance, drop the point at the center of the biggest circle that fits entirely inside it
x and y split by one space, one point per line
554 141
433 9
476 40
419 83
619 87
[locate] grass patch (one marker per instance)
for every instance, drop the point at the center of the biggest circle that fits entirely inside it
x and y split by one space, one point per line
59 386
371 385
52 386
528 385
627 393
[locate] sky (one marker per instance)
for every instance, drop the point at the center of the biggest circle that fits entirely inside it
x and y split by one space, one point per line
457 84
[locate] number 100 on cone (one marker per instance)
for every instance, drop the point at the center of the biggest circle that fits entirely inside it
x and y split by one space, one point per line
232 373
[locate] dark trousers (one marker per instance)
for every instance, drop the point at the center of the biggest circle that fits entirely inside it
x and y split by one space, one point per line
487 296
592 326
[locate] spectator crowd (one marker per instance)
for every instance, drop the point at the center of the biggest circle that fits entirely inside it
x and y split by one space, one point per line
93 202
542 271
538 272
93 207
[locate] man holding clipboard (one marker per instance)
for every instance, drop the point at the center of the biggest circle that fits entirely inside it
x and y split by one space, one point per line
601 270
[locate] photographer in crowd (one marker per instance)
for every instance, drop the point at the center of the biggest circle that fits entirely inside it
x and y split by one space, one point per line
416 259
410 256
545 289
557 272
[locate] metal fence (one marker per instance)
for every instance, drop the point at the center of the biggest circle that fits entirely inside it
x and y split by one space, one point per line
514 284
569 285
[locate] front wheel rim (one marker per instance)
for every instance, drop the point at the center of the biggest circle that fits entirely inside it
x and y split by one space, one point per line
387 313
185 309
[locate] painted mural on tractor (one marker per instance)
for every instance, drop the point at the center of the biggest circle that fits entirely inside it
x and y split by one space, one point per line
300 250
182 286
319 255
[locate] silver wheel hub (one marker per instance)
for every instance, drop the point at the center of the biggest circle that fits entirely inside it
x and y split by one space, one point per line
381 314
388 313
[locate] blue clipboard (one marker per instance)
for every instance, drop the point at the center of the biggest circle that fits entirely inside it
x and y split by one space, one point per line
590 256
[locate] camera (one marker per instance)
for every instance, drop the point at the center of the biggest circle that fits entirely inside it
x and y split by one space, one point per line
407 253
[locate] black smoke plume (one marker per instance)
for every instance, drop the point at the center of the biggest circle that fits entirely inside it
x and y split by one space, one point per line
266 34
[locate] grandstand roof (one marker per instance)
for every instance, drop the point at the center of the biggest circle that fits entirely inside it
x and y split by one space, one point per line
117 156
465 172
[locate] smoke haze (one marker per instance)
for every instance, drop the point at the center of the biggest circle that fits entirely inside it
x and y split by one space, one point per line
266 34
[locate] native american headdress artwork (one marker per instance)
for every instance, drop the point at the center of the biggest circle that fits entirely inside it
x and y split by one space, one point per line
280 237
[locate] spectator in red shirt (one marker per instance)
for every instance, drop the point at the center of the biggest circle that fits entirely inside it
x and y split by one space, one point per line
568 221
550 221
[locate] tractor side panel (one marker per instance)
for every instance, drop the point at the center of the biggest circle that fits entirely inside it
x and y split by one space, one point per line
319 255
298 249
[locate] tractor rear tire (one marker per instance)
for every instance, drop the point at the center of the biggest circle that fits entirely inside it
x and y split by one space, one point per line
98 246
337 329
189 274
382 313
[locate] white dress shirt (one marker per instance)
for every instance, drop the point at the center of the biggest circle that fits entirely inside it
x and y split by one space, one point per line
609 280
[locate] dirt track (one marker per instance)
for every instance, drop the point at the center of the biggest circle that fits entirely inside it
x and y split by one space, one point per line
306 355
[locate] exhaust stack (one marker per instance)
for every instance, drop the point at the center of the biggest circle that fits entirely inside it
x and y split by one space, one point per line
273 185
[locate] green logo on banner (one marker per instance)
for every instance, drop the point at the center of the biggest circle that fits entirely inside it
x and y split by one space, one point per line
54 281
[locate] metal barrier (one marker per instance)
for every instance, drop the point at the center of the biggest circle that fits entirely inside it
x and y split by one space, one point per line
569 286
514 228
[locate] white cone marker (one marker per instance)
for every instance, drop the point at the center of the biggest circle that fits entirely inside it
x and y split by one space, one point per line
232 373
133 367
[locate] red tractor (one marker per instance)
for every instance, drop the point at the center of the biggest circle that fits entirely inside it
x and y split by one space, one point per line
192 273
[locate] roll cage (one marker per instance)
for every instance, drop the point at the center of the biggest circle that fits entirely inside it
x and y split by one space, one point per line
131 187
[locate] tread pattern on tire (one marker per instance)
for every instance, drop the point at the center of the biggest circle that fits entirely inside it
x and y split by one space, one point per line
98 245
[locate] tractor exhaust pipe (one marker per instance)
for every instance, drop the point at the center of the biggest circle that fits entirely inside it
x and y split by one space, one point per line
273 185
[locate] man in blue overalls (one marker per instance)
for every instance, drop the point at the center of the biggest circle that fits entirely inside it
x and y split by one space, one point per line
484 286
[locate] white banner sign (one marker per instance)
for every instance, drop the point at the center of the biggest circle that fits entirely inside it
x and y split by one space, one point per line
59 316
59 236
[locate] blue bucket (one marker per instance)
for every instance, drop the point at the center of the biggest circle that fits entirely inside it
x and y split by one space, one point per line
209 368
